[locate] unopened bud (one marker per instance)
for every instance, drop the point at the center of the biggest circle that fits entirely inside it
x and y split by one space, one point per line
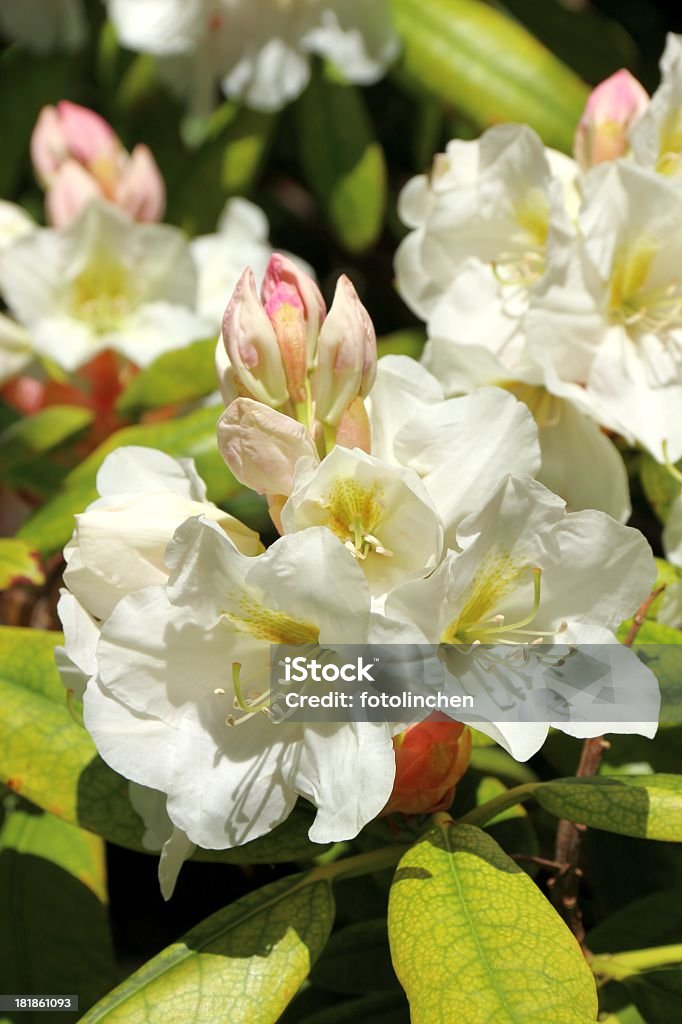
611 110
252 347
68 139
354 430
346 355
140 189
281 271
430 759
261 446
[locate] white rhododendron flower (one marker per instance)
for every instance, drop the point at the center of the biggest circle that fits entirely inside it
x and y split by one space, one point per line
183 677
119 542
383 514
481 224
104 282
241 238
260 51
656 137
44 25
530 573
118 548
579 461
608 313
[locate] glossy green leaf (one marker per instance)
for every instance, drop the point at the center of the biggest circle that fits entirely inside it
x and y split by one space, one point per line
178 376
191 435
643 806
409 342
654 920
39 433
657 994
54 932
474 939
357 960
489 67
246 146
242 965
18 563
660 487
342 161
48 758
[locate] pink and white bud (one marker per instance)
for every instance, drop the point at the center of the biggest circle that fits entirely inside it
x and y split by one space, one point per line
224 372
252 346
262 446
354 429
281 271
71 191
287 316
611 110
346 355
140 189
68 136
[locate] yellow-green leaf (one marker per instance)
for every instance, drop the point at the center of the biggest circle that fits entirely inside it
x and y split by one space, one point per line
342 161
489 67
242 965
474 939
54 933
644 806
19 563
177 376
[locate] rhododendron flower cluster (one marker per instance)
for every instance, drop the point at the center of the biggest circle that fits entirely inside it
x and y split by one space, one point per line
394 528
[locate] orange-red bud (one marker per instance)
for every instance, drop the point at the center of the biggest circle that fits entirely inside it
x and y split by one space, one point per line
430 759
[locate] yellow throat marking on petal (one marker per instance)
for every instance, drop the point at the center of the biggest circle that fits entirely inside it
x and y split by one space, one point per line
263 623
634 305
670 151
102 293
546 408
532 214
494 580
354 512
526 263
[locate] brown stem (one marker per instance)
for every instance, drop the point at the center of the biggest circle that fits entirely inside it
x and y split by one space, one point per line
565 885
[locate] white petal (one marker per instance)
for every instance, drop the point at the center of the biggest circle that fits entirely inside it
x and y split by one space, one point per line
347 772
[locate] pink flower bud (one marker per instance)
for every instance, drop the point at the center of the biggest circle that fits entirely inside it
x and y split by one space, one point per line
71 136
283 271
346 355
261 446
611 110
430 759
252 347
71 190
140 189
287 316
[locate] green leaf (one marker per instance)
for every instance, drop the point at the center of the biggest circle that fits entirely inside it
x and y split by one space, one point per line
357 960
660 487
643 806
49 759
409 342
654 920
178 376
470 931
488 67
192 435
21 442
54 933
18 563
242 965
246 147
342 161
657 994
